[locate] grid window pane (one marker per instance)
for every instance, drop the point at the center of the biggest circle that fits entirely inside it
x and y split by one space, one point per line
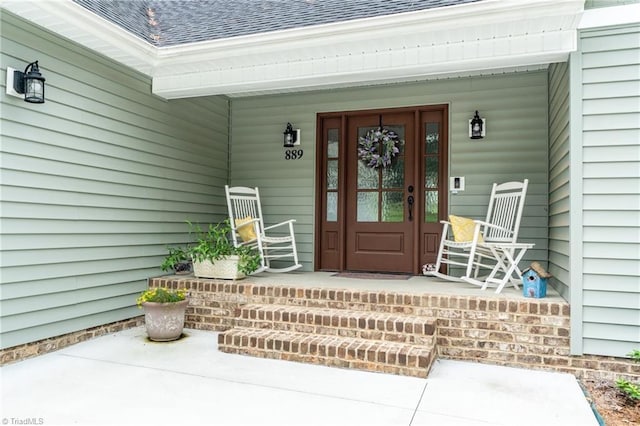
332 206
332 174
367 207
392 206
431 207
367 177
431 172
393 176
432 138
333 143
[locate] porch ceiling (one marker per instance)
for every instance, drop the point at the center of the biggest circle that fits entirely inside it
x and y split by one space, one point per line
486 37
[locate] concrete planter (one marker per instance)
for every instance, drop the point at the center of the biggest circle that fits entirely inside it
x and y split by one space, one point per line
226 269
164 321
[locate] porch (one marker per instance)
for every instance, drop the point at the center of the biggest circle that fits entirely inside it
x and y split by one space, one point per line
109 201
386 283
371 324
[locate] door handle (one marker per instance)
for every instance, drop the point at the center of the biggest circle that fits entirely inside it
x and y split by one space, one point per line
410 200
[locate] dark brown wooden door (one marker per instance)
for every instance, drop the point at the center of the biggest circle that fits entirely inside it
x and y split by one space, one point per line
380 205
382 219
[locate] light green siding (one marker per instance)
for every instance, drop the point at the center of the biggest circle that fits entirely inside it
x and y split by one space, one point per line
95 183
594 4
559 178
516 146
611 189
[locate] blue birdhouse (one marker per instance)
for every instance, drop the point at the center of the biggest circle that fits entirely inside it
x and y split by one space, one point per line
534 281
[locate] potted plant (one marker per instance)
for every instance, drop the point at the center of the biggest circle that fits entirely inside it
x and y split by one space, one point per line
164 311
215 256
178 259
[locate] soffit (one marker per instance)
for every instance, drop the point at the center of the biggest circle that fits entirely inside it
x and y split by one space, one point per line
485 37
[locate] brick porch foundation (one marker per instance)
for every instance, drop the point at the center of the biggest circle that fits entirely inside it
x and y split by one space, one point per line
527 333
29 350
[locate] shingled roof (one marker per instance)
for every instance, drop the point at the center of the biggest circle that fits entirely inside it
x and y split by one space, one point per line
255 47
174 22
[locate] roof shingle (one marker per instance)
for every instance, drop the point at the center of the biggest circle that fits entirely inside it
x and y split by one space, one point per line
174 22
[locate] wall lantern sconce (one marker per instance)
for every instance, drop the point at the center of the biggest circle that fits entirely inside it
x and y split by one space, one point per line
29 83
477 127
291 136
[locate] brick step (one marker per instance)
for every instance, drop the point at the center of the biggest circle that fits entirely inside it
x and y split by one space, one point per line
341 322
335 351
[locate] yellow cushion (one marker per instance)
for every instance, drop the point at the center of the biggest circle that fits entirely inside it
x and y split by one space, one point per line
247 232
463 228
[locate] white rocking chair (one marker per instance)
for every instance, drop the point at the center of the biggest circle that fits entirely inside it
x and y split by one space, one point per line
494 241
245 216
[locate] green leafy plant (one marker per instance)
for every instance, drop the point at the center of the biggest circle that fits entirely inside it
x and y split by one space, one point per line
161 295
178 259
631 390
214 244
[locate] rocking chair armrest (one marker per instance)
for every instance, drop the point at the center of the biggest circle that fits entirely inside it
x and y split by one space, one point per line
287 222
446 225
491 225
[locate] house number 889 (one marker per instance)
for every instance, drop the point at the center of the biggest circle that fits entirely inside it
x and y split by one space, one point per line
293 154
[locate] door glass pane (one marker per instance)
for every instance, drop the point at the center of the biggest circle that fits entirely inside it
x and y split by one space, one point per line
367 177
332 206
432 132
393 176
431 206
332 143
367 207
399 130
332 174
431 172
392 206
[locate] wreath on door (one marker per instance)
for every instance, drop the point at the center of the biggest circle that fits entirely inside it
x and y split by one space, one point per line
378 147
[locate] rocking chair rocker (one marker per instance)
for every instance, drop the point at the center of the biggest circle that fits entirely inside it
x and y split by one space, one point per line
245 216
494 245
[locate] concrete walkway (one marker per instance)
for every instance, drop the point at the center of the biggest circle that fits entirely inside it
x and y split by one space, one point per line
123 378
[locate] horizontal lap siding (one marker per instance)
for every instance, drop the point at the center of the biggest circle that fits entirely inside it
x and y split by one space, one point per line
559 192
514 105
95 183
611 190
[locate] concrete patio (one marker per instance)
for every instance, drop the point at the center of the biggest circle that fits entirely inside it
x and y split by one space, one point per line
124 378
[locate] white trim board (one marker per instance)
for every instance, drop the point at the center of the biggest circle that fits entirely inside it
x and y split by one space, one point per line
482 37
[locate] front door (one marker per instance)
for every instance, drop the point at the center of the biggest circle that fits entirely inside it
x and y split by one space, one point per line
381 218
380 198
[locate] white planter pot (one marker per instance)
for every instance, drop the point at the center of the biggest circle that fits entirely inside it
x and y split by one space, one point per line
226 269
164 321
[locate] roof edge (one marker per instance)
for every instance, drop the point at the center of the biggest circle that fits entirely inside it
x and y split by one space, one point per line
482 35
74 22
485 11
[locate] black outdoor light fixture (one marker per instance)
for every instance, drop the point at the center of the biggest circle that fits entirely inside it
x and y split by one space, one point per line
477 127
291 136
29 83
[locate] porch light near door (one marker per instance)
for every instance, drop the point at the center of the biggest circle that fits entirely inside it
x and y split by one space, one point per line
29 83
477 127
291 136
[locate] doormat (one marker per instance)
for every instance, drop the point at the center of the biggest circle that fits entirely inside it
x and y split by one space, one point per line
371 276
